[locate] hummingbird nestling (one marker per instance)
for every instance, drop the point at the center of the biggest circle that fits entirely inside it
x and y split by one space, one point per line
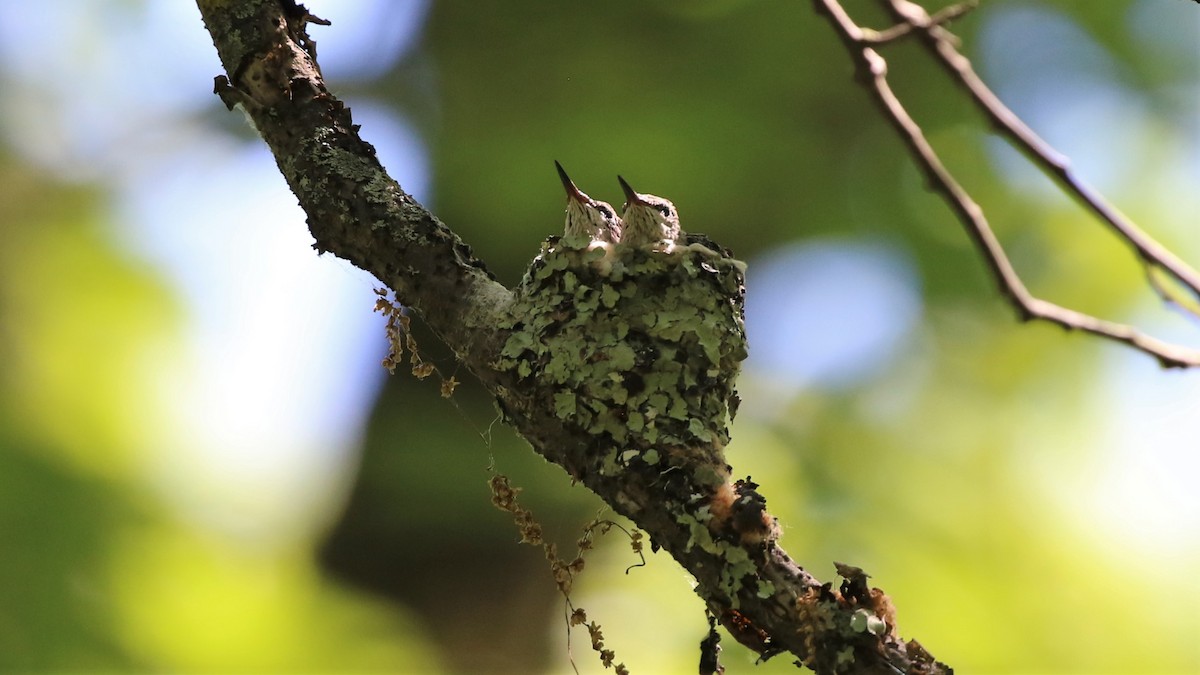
586 217
648 220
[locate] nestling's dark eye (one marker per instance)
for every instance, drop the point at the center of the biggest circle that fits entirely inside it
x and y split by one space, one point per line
664 210
605 212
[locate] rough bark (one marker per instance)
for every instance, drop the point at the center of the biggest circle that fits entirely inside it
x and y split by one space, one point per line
676 488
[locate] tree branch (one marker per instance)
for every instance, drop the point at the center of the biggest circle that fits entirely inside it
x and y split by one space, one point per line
540 352
899 30
941 43
872 72
355 210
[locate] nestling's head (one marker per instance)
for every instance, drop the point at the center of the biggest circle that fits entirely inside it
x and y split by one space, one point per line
648 219
587 217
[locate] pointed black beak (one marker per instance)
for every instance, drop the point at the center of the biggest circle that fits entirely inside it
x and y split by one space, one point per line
631 195
568 185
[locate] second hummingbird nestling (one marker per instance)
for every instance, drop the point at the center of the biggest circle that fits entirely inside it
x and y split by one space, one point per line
588 218
648 220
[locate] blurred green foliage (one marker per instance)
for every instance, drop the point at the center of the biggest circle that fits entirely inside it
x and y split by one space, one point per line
961 476
96 573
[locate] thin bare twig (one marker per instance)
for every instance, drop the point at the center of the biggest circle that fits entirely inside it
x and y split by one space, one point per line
940 42
899 30
873 73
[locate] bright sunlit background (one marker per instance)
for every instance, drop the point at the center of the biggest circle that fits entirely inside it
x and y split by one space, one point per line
203 468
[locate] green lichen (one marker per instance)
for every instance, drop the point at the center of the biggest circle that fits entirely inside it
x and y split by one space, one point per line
708 475
698 534
738 571
737 568
608 465
864 621
858 620
564 405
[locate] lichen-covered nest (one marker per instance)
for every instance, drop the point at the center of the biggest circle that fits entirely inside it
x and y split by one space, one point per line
639 347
